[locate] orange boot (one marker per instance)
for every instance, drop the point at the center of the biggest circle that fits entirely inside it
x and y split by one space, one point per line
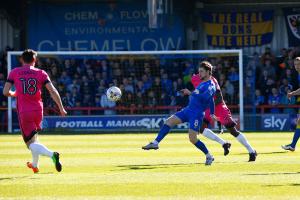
34 169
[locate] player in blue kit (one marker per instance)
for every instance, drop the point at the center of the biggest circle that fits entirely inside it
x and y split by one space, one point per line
292 146
200 99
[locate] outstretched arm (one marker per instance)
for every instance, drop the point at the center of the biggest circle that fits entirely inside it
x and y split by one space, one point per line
186 91
212 106
294 93
56 97
219 97
212 109
7 92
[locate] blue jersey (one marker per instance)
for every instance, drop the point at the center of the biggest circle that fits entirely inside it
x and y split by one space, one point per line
202 97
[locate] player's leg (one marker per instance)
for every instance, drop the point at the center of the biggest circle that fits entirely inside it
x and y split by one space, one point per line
33 143
27 126
32 124
39 149
55 155
34 165
201 146
195 122
243 140
165 129
224 114
212 136
170 123
221 130
296 136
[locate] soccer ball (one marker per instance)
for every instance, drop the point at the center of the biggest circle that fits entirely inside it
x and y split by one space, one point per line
114 93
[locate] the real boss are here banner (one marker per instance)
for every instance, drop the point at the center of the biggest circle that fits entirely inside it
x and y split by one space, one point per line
238 29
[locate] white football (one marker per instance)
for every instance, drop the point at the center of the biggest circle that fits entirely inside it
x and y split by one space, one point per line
114 93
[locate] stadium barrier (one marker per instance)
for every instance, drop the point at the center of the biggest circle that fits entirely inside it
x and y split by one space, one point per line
134 119
105 123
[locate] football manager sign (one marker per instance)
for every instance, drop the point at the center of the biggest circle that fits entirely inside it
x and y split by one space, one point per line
120 123
238 29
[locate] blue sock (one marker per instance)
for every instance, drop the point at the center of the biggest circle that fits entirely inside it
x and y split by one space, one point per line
296 137
162 133
200 145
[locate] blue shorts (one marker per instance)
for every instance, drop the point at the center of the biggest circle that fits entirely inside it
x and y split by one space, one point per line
194 118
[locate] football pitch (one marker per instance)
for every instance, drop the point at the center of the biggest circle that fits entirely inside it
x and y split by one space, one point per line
113 166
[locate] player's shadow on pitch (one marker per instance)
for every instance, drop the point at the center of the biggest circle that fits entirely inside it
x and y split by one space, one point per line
292 184
275 173
24 177
13 178
156 166
160 166
45 173
265 153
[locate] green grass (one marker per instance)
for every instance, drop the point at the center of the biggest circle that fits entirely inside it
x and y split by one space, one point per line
115 167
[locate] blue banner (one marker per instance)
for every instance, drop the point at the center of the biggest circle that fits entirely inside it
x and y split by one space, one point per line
115 123
133 123
100 27
238 29
292 19
278 122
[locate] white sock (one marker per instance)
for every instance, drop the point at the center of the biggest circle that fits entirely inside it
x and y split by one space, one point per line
242 139
40 149
211 135
35 158
155 142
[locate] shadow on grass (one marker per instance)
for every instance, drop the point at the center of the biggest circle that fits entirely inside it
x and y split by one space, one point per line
155 166
264 153
33 176
45 173
275 152
14 178
273 185
292 184
161 166
276 173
